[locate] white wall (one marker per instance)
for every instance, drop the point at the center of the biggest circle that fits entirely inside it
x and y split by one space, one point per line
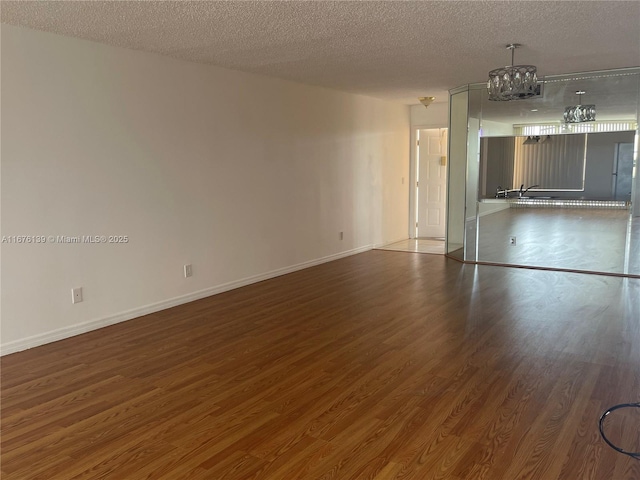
241 175
490 128
435 115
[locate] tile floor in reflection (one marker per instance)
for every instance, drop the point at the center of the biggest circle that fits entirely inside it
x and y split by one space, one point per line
417 245
594 240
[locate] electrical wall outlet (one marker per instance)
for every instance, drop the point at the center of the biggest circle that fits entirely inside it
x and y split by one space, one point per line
188 272
76 295
512 240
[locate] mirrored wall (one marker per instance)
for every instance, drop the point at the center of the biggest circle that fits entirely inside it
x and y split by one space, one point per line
528 189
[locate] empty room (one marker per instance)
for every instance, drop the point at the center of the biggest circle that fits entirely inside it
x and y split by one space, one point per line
320 240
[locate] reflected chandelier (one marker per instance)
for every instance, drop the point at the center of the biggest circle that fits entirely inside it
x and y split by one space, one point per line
514 82
580 113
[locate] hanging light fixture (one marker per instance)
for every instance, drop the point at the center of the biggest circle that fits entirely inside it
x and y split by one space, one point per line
514 82
426 101
580 113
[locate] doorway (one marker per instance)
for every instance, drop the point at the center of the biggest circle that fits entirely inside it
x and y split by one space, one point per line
623 172
430 190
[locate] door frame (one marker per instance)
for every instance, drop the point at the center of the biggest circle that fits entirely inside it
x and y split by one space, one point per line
413 175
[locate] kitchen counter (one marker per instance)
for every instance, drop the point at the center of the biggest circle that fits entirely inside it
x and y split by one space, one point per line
550 202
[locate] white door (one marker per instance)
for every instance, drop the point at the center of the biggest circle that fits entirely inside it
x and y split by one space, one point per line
432 182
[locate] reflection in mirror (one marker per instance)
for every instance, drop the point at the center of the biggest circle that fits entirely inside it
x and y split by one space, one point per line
543 193
578 238
593 166
458 108
577 217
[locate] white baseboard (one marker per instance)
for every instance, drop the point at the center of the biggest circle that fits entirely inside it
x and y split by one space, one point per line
73 330
378 245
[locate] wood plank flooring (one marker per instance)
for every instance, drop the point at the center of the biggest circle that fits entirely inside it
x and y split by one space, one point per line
383 365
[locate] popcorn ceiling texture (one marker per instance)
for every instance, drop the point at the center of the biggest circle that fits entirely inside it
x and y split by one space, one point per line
396 50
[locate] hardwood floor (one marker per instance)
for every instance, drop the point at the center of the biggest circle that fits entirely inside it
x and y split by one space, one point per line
378 366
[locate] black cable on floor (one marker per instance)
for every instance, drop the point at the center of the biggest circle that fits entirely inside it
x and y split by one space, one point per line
635 455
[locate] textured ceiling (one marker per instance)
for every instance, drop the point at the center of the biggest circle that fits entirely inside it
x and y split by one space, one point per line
395 50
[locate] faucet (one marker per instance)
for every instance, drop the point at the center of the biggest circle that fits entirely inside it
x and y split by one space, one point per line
522 190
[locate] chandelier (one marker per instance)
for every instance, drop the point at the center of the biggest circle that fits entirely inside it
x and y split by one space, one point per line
513 83
580 113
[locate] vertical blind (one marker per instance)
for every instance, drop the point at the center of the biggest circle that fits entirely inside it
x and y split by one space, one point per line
498 153
588 127
553 163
